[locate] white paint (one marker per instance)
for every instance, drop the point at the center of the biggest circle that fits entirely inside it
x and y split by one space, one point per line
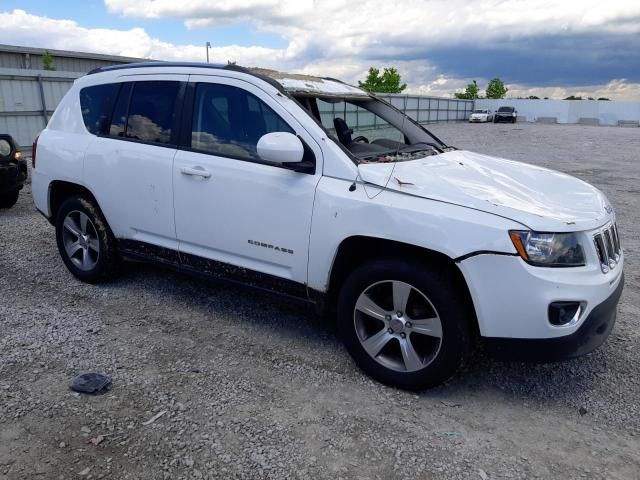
568 111
455 203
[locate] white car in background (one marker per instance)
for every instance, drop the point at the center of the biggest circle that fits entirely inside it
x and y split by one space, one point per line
420 249
481 115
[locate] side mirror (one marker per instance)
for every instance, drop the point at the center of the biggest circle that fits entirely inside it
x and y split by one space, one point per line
280 147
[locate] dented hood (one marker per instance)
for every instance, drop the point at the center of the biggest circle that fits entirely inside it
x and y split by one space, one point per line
542 199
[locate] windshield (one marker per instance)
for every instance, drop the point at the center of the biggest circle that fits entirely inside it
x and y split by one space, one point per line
505 109
371 130
480 111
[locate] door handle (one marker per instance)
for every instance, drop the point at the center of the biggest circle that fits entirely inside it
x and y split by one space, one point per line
197 171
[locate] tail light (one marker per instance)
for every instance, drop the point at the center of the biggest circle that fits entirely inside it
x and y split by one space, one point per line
33 151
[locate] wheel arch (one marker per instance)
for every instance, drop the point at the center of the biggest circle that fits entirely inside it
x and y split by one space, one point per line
356 250
60 190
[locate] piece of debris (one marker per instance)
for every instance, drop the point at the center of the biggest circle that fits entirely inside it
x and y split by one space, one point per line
85 472
195 370
483 474
451 434
85 429
401 183
154 418
97 440
451 405
582 411
91 383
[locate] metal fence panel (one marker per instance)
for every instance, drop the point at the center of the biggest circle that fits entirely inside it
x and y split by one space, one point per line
23 114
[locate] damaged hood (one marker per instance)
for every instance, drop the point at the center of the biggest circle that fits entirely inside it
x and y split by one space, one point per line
542 199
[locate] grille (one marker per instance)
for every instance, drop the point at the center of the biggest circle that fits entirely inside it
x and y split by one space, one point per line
607 244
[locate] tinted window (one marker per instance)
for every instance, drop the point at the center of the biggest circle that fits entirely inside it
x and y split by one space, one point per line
506 109
150 114
229 121
96 103
119 118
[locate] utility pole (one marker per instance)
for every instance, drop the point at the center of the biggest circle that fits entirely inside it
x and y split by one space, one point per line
207 46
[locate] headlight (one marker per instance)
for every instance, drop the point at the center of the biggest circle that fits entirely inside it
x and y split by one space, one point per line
548 249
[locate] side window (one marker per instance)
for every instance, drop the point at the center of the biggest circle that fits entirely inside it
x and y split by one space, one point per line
229 121
146 113
96 103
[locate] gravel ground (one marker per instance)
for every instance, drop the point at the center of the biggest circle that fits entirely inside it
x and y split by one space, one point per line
250 386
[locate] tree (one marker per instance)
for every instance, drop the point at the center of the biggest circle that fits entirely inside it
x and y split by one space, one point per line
496 89
470 93
573 97
533 97
604 98
47 61
388 82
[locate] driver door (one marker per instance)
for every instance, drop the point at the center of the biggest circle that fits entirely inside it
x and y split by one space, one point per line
236 215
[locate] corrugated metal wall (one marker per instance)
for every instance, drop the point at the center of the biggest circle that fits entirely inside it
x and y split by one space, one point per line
23 113
28 98
421 108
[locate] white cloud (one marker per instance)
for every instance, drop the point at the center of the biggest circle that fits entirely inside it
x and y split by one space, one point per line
342 40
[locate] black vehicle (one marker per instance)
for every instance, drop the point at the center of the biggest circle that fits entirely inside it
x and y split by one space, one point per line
505 114
13 171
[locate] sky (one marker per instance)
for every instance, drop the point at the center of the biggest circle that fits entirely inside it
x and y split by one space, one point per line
537 47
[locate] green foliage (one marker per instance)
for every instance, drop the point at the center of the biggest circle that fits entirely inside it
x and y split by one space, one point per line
573 97
496 89
47 61
470 93
533 97
604 98
388 82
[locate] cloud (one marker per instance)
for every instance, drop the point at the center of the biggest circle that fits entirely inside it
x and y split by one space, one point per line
438 46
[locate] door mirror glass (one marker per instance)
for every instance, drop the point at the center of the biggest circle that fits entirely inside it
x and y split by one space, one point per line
280 147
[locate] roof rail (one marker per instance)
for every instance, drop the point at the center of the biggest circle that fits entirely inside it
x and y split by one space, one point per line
154 63
216 66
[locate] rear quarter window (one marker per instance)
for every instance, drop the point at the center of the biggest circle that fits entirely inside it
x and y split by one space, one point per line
96 104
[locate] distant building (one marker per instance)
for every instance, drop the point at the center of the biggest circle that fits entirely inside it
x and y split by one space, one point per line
29 94
29 58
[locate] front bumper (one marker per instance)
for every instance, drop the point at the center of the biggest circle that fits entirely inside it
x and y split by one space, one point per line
592 333
511 298
13 175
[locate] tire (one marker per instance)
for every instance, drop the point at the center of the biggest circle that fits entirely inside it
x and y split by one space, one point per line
85 242
9 199
413 353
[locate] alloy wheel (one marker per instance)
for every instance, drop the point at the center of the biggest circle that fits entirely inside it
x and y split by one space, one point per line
398 326
80 239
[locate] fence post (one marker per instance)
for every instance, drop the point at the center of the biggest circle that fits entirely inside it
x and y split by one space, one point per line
43 101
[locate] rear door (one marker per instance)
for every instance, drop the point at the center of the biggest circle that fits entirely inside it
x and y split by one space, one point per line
129 167
232 209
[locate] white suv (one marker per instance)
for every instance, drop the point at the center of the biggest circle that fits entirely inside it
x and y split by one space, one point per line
257 177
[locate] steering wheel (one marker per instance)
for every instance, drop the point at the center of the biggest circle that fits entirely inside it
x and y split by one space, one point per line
361 139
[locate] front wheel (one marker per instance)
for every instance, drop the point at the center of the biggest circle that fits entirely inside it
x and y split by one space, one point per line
405 324
9 199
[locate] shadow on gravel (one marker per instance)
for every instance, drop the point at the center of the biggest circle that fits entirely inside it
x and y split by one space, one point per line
542 382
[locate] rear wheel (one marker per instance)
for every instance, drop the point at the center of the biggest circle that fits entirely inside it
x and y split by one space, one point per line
405 324
9 199
85 241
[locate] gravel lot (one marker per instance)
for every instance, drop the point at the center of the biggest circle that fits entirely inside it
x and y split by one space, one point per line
254 387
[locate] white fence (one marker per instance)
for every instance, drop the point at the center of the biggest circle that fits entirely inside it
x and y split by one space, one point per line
594 112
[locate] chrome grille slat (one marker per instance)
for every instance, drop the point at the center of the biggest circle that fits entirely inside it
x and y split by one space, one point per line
608 248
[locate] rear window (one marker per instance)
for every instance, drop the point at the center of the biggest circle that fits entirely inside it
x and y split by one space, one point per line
151 111
96 103
506 109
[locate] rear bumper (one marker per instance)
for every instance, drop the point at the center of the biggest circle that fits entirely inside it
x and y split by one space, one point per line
13 175
592 333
